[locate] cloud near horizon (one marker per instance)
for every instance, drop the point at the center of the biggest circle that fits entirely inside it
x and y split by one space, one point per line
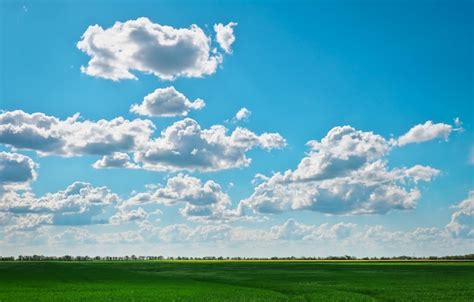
344 173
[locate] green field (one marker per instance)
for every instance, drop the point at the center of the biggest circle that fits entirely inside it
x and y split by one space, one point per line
236 281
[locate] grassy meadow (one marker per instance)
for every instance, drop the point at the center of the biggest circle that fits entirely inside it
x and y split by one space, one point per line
236 281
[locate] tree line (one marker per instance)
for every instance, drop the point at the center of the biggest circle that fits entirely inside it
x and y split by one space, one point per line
220 258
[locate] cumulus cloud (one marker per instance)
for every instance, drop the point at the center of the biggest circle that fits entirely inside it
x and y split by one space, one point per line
16 170
51 136
200 200
79 204
344 173
185 233
293 230
29 222
144 46
166 102
185 146
125 215
225 35
115 160
462 220
243 114
426 132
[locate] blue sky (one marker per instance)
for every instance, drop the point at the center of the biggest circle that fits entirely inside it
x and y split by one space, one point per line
301 69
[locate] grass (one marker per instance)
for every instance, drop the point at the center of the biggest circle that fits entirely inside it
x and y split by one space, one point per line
236 281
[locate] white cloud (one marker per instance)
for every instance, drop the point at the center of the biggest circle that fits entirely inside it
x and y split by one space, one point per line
140 45
343 150
51 136
166 102
79 204
80 236
29 222
420 173
126 237
184 233
225 35
344 173
243 114
201 201
185 146
125 215
16 170
293 230
281 238
462 220
115 160
425 132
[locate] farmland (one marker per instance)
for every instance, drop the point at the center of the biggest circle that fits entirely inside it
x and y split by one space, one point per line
236 281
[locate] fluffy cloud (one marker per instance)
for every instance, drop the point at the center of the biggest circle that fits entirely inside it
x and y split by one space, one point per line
185 233
225 35
144 46
293 230
115 160
344 173
185 146
79 204
425 132
200 200
243 114
133 215
49 135
16 169
462 220
166 102
29 222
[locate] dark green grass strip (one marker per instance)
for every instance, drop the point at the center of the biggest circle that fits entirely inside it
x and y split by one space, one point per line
236 281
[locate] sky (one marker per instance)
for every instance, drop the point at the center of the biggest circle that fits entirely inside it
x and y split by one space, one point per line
237 129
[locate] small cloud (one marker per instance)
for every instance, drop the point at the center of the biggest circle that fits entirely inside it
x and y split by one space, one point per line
225 35
426 132
243 114
166 102
457 122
